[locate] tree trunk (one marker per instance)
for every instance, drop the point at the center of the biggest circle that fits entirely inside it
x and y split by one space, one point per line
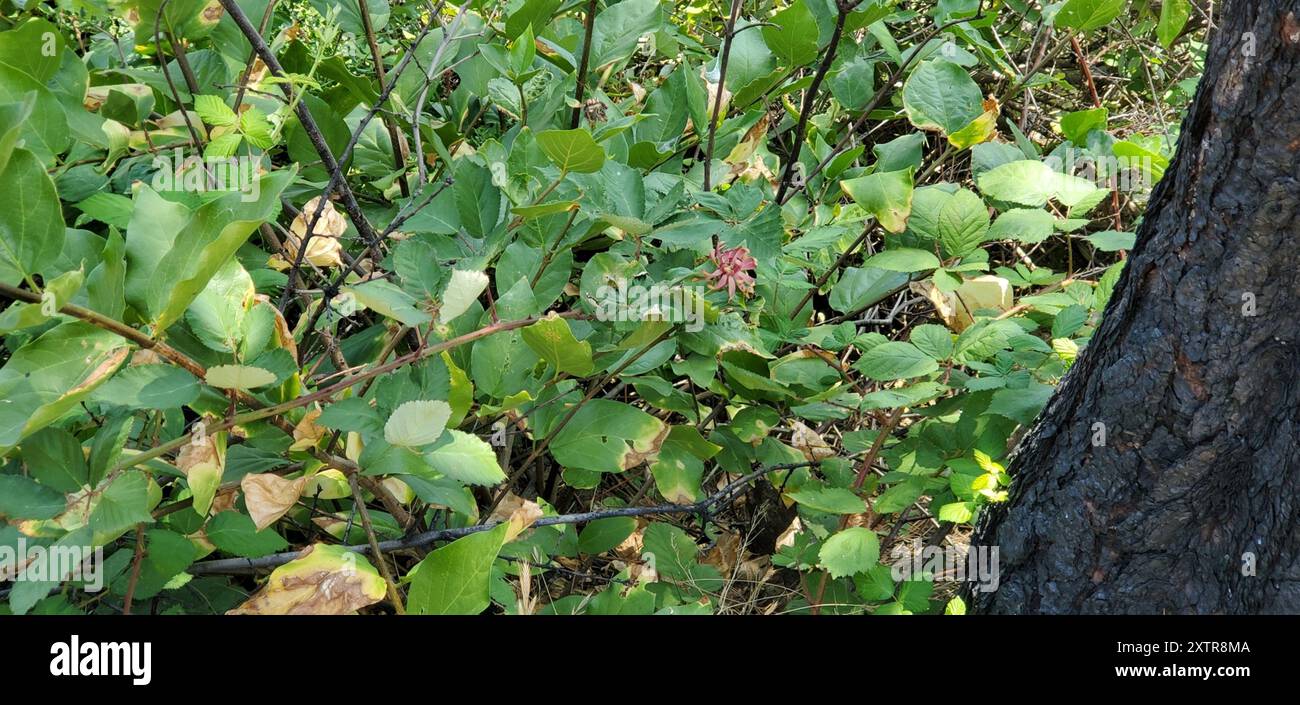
1166 468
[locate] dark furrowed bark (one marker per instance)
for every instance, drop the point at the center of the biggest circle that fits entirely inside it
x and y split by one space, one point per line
1200 401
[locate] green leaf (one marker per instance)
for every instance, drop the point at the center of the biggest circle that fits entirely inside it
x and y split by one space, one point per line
387 299
1173 17
466 458
618 29
31 223
204 480
1076 125
553 341
454 579
172 253
349 14
12 118
47 377
792 36
30 58
603 534
957 512
903 259
915 595
895 360
217 314
108 208
674 550
963 223
224 146
853 85
351 414
832 500
903 152
886 195
522 52
899 497
167 554
572 150
940 95
21 498
105 286
32 50
477 199
935 341
1069 320
850 552
749 64
536 13
214 111
875 584
859 288
1026 182
149 387
607 436
236 534
257 129
1087 15
1112 240
1020 405
1027 225
417 423
122 504
501 365
679 467
55 459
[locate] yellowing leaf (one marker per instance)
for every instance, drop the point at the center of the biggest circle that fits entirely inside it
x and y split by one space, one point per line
460 294
323 250
203 462
239 377
327 484
958 308
417 423
307 433
325 580
979 130
886 195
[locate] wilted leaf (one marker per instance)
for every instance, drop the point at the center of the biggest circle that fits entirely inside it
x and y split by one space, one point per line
324 580
269 496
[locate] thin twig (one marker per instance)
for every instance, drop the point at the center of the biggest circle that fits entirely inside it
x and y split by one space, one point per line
242 566
393 595
722 87
582 65
809 98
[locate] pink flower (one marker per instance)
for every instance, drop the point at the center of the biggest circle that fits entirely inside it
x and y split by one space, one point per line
733 271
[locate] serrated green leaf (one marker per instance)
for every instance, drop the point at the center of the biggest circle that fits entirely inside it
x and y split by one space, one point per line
896 360
849 552
572 150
